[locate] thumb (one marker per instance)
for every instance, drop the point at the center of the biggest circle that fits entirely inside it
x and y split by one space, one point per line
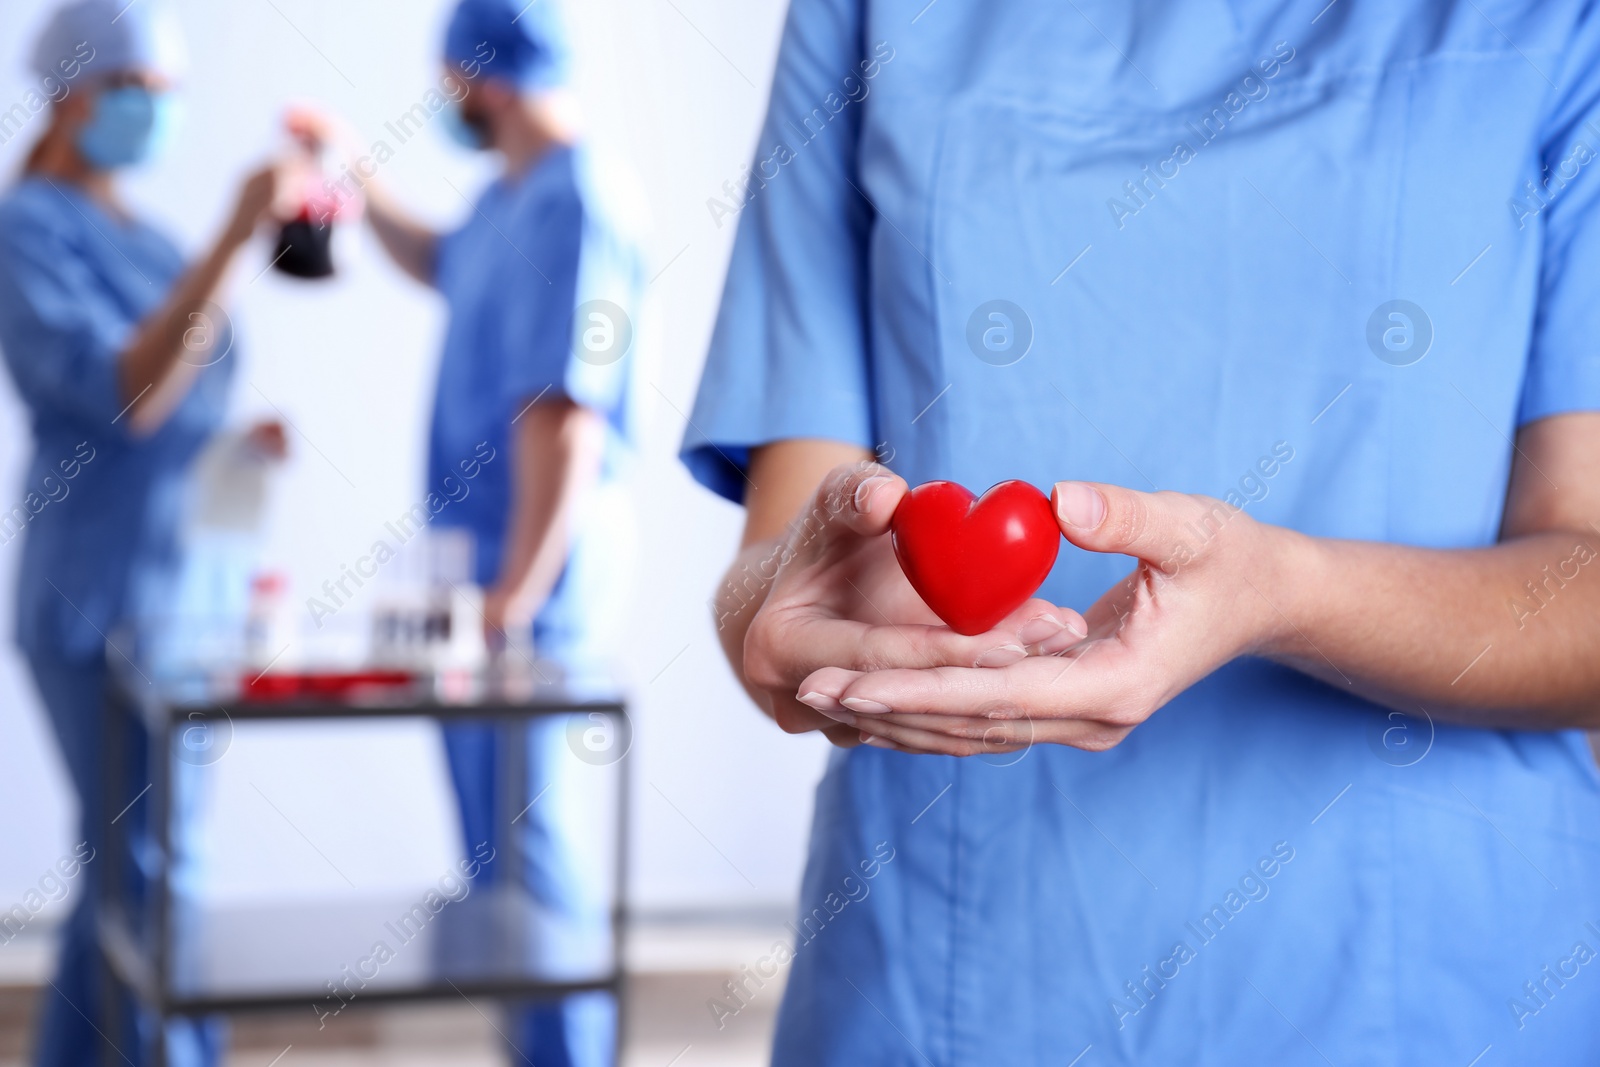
854 500
1150 526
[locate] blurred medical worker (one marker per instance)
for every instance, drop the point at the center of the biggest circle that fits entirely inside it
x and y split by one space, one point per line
534 393
1306 784
123 360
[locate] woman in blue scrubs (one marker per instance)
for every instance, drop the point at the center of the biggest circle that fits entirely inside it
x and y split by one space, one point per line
123 360
1293 309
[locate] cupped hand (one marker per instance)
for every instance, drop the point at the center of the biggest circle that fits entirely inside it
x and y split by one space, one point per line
1195 601
836 600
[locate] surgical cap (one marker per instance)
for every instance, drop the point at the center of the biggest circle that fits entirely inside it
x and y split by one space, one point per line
143 35
526 45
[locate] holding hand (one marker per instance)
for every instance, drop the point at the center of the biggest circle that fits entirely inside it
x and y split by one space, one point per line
273 192
254 202
507 617
268 440
835 598
1194 602
318 129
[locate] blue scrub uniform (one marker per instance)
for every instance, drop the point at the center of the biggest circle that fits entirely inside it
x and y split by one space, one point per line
537 248
1197 215
98 515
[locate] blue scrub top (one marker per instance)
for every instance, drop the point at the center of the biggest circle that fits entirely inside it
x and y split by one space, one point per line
1196 216
98 510
541 253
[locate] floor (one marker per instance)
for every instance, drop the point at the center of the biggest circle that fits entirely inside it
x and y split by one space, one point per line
676 969
668 1026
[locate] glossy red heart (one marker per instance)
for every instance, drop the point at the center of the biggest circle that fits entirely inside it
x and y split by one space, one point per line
975 560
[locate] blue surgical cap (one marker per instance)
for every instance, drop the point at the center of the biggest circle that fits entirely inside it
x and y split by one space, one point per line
526 45
108 36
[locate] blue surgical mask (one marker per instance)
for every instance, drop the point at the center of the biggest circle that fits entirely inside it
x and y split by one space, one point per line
129 126
459 130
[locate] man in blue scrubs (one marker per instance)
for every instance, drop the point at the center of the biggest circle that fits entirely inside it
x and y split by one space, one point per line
542 282
1308 786
117 348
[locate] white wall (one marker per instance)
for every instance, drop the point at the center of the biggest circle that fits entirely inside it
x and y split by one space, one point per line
679 87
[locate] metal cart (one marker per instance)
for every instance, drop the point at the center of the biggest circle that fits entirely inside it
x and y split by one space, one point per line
184 957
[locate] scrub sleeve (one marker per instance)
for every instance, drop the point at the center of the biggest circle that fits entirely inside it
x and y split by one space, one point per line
565 271
1564 351
538 320
789 356
60 340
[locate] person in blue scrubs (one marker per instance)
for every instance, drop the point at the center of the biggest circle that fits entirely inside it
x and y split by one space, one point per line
1292 310
534 392
120 354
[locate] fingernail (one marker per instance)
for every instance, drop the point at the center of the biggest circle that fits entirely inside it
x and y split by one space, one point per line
838 716
865 707
819 701
1060 642
1003 656
876 742
1038 629
1079 505
865 490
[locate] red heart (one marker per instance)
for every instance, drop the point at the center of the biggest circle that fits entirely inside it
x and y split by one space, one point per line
975 560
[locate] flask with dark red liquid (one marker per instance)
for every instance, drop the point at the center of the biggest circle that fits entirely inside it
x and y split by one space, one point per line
305 243
305 247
